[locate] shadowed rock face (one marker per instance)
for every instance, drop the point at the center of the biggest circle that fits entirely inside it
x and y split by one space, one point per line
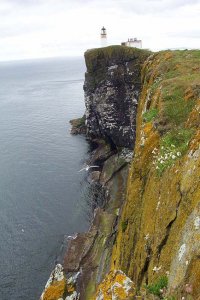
112 88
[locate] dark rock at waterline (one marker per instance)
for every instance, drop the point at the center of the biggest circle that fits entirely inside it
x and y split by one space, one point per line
102 152
78 248
94 176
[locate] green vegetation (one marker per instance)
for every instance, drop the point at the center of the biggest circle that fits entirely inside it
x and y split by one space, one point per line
178 138
177 108
176 74
124 225
157 288
174 83
174 145
80 122
150 115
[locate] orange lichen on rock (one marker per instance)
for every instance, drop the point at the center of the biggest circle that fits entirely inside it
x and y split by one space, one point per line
116 285
194 116
56 285
55 291
189 94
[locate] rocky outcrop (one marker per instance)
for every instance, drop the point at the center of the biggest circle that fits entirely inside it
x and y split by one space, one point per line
112 88
78 126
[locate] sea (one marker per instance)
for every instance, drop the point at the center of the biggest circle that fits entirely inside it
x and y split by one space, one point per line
43 197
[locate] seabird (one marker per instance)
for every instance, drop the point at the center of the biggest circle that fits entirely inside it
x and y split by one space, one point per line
88 167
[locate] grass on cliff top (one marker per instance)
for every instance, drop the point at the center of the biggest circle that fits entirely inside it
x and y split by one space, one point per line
174 81
180 85
178 76
176 105
105 54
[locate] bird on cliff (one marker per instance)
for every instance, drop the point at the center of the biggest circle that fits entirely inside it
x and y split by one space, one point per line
87 167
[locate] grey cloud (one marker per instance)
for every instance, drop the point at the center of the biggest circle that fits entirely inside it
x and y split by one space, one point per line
124 6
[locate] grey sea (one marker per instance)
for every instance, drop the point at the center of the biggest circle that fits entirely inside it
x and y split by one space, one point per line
42 194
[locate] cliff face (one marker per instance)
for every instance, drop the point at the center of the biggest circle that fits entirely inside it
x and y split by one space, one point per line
144 241
112 88
159 236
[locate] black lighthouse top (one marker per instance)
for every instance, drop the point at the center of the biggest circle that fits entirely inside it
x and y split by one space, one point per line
103 31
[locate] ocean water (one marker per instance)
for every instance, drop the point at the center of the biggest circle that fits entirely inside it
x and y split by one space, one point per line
42 194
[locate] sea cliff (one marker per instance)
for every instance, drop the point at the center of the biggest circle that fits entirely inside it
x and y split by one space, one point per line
142 112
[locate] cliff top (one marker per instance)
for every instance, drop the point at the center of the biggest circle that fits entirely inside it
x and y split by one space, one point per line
101 57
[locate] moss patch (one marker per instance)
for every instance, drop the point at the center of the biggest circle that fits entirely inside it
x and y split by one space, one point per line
150 115
124 225
158 287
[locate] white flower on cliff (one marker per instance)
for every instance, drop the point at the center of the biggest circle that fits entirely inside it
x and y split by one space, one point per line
173 156
158 204
157 269
178 153
197 223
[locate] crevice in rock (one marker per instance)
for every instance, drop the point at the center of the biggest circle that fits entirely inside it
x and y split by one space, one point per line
169 226
144 271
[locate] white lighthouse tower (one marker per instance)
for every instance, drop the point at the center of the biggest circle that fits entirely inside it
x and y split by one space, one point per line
103 37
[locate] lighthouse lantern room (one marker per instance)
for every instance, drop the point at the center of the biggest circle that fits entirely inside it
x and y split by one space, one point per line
103 37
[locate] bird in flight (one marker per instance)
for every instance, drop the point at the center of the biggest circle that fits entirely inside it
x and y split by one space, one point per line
87 167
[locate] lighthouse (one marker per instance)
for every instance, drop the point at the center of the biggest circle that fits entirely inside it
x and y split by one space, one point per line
103 37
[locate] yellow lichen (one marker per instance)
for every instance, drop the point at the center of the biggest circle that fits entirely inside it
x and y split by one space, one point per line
115 285
55 291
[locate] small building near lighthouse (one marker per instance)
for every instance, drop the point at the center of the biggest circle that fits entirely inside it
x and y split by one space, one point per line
133 43
103 37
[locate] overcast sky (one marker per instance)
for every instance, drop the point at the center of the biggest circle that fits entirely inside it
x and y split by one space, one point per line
47 28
